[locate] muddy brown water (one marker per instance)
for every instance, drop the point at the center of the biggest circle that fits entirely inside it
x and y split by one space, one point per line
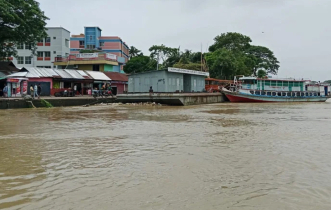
221 156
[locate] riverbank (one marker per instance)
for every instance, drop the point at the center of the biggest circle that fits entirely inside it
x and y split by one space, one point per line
174 99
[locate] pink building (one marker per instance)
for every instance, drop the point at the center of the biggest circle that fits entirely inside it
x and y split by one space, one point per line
92 39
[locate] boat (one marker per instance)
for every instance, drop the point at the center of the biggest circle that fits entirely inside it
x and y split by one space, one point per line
253 89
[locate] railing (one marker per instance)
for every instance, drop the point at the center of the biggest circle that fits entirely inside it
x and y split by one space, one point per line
101 57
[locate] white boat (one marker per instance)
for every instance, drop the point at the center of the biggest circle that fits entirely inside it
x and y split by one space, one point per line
252 89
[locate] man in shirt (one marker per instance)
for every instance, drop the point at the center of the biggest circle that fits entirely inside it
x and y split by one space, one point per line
5 91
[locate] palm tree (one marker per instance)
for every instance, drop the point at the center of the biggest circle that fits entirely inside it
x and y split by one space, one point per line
133 52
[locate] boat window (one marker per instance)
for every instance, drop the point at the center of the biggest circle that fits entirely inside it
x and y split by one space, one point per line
319 94
298 94
262 93
257 93
279 94
306 94
315 94
252 92
283 93
269 93
310 94
293 93
273 93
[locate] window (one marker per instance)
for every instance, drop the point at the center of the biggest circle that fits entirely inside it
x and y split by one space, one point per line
41 41
82 43
262 93
273 94
66 42
47 54
40 54
102 44
48 67
27 60
91 38
54 52
268 93
284 94
28 46
20 60
252 92
67 54
67 84
20 46
54 37
90 46
48 40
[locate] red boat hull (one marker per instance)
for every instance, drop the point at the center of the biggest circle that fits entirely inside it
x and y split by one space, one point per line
234 98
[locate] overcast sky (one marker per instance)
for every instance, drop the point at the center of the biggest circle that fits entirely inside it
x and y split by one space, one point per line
297 31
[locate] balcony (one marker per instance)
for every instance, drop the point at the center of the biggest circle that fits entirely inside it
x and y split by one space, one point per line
47 44
74 59
40 44
40 58
47 58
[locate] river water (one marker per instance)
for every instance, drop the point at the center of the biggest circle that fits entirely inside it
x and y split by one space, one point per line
220 156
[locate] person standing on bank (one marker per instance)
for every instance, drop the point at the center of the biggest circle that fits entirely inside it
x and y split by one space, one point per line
35 91
5 91
31 91
39 90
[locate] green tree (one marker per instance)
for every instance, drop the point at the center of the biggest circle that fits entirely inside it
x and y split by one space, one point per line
133 52
231 41
261 74
264 59
140 64
21 21
163 53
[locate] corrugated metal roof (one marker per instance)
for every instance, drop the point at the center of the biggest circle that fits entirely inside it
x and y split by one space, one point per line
97 75
40 72
74 74
81 72
17 74
116 76
63 74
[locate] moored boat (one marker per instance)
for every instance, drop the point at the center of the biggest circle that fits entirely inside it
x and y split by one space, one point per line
252 89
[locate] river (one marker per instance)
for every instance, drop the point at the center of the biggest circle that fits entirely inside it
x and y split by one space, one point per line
121 157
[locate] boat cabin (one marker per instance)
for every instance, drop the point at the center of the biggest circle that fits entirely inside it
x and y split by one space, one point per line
281 87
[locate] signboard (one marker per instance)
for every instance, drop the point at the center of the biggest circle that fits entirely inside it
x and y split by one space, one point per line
87 55
25 87
111 56
186 71
13 80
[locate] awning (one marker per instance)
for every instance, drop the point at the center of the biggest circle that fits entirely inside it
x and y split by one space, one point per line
97 75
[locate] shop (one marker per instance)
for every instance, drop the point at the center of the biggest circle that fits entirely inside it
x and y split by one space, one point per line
17 87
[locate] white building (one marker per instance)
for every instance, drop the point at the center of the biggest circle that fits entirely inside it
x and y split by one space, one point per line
55 45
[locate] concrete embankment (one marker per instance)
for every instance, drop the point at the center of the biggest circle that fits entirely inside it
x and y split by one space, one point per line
178 99
13 103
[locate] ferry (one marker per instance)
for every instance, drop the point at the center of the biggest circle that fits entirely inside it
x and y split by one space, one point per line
253 89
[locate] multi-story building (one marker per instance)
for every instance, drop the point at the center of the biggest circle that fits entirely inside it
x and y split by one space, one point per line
92 39
56 44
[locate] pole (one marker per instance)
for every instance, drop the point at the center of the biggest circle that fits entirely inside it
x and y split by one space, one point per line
201 56
157 67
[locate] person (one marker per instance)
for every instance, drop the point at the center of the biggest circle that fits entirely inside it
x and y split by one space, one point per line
75 88
150 89
110 91
31 91
35 91
39 90
5 91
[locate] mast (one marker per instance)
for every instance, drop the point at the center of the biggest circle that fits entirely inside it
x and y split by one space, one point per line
201 56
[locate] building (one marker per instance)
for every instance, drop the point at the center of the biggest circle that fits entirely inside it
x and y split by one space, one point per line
56 44
6 68
93 39
119 82
54 80
168 81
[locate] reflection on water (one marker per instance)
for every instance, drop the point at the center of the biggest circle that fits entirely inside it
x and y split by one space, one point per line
222 156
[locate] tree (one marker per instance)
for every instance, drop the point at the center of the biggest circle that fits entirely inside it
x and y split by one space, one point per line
231 41
133 52
21 21
163 53
264 59
261 74
327 81
140 64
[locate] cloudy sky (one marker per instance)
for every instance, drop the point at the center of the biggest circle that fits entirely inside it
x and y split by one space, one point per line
297 31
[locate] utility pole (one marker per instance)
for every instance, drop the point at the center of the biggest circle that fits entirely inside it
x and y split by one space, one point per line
157 67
